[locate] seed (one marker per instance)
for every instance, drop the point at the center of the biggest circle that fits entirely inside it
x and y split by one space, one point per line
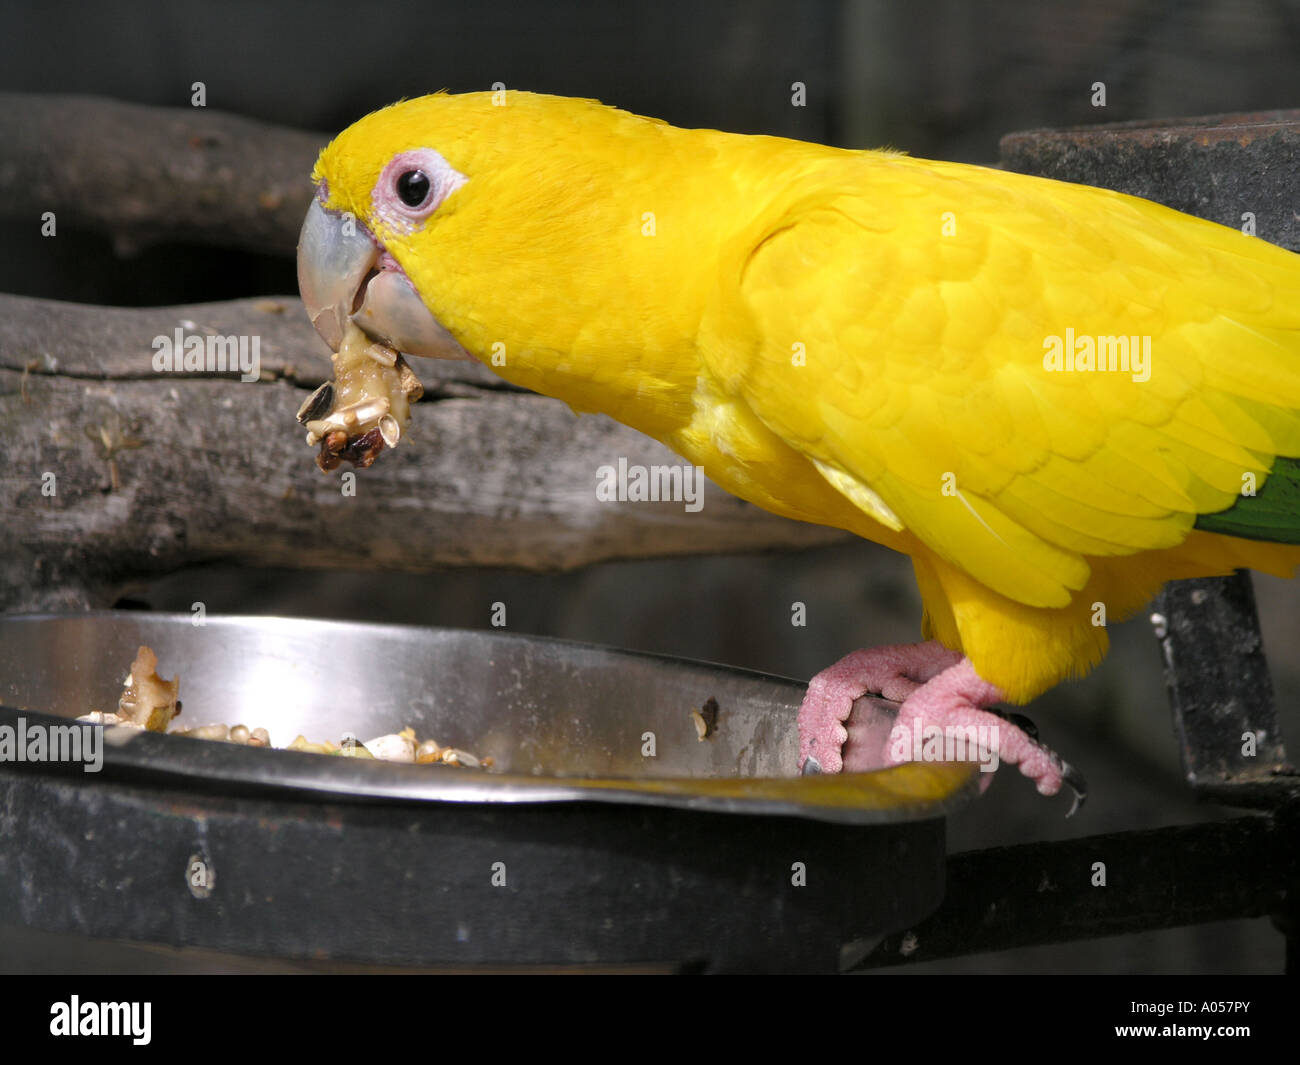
207 732
100 717
239 734
382 354
315 405
366 410
259 738
393 748
390 430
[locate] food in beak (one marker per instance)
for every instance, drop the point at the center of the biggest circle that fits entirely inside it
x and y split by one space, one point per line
367 405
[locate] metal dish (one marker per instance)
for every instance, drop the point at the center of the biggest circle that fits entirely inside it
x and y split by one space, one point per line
562 721
581 851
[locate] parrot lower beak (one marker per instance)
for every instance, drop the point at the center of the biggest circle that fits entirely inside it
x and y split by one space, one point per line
343 274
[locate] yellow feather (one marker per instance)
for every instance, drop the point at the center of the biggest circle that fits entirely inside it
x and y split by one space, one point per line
901 348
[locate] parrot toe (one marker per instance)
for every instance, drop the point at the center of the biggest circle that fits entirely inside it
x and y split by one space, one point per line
1070 776
944 716
821 729
949 717
894 672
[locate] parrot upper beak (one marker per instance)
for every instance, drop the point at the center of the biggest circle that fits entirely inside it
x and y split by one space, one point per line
343 274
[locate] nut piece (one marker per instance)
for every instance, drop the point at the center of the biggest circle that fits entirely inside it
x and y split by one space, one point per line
361 452
410 384
205 732
365 407
148 700
396 747
302 743
705 719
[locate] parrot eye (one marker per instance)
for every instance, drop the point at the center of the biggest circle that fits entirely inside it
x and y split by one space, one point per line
413 187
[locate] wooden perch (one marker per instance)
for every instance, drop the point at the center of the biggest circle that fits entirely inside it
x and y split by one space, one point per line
117 471
143 175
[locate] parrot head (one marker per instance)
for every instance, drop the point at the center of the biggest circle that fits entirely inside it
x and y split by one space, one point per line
377 187
516 230
438 201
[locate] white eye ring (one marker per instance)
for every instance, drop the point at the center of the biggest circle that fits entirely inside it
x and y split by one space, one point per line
440 178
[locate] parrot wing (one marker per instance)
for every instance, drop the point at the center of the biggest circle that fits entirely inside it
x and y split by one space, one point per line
892 325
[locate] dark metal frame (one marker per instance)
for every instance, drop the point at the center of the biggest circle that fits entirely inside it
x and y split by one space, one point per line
1219 691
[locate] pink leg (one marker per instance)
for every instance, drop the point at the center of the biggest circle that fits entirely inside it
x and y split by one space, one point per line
938 688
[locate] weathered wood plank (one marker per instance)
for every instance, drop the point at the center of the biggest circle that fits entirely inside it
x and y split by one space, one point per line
488 476
143 175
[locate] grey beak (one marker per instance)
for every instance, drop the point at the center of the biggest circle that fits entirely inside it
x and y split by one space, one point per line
335 264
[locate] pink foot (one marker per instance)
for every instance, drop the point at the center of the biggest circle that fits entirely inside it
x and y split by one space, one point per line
943 704
894 672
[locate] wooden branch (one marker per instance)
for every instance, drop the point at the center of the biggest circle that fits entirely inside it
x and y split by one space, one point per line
144 175
154 471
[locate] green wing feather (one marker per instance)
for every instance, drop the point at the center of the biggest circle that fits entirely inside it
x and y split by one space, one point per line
1272 514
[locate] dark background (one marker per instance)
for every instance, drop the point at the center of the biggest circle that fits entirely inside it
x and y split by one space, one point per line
939 78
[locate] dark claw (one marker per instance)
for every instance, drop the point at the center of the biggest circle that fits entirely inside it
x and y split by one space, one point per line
811 766
1072 777
1023 723
1077 785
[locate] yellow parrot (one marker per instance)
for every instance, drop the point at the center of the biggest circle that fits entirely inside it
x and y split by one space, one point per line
1051 397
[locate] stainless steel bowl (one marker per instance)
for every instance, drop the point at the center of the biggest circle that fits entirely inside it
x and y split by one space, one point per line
562 721
583 847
